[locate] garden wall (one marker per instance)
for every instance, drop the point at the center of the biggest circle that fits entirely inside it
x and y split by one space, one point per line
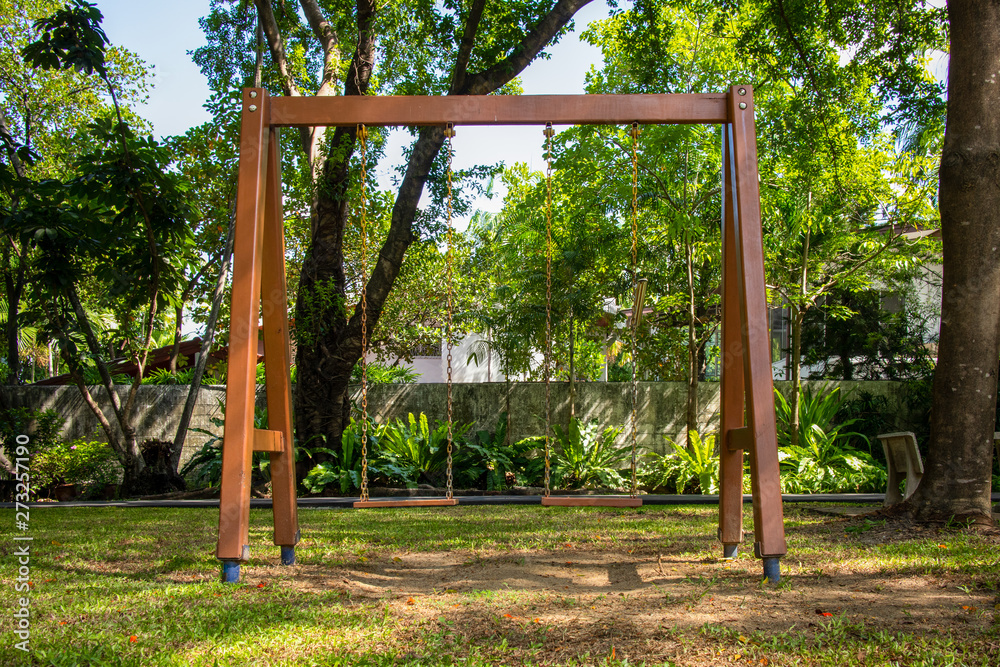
661 406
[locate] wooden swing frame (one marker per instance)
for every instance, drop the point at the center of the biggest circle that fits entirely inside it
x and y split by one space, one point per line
259 291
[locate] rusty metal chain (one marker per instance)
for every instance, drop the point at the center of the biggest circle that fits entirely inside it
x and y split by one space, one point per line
636 316
449 132
363 140
549 132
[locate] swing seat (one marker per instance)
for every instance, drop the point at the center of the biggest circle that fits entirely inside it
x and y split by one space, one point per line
591 501
409 502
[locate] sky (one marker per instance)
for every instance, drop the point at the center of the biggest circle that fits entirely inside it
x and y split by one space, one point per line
179 89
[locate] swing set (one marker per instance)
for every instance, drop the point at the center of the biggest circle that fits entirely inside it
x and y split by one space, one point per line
259 293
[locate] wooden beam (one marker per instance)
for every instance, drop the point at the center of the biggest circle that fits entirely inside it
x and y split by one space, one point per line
739 440
409 502
237 445
277 356
769 529
265 440
732 389
498 110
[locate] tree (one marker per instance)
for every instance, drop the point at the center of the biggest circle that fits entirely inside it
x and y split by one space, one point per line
956 480
855 157
42 118
118 230
405 48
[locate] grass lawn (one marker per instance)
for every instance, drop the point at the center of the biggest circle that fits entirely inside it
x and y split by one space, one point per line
501 585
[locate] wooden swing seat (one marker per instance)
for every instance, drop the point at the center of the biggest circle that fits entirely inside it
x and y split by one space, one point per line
591 501
409 502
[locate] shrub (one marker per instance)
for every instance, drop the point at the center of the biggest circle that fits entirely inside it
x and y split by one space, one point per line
344 470
75 462
379 373
823 461
412 452
42 426
582 458
694 467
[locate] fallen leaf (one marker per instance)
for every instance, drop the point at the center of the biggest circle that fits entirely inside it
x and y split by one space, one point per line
410 601
261 584
62 622
397 559
507 616
133 639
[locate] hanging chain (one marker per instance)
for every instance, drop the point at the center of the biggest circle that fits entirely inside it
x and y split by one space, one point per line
636 316
549 132
362 138
449 132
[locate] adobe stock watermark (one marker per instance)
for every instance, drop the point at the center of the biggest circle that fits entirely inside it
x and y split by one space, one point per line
22 546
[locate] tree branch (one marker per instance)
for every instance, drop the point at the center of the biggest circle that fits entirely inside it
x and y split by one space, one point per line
328 40
465 48
501 73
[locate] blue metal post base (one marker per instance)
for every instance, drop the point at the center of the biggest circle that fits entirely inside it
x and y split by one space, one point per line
729 551
772 569
288 555
230 572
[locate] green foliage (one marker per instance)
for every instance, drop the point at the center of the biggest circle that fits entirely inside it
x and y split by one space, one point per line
42 426
871 342
823 461
162 376
379 373
75 462
584 458
344 470
71 38
683 467
489 462
415 453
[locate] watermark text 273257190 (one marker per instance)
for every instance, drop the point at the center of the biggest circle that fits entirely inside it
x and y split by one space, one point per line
22 546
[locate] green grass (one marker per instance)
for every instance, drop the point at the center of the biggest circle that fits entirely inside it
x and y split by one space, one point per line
103 576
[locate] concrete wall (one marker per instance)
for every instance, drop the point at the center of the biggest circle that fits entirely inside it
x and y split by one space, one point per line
661 406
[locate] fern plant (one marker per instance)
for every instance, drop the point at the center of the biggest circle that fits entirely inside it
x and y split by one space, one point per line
823 461
344 470
584 458
682 466
415 452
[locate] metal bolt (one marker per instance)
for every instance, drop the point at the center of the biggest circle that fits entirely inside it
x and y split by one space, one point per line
253 107
743 105
741 91
253 93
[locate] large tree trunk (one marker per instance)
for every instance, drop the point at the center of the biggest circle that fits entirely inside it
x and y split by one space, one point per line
956 481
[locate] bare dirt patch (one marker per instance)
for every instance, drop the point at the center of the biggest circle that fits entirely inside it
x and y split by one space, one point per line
640 602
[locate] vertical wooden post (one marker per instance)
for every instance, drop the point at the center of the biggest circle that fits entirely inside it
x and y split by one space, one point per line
277 359
769 528
237 443
732 390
